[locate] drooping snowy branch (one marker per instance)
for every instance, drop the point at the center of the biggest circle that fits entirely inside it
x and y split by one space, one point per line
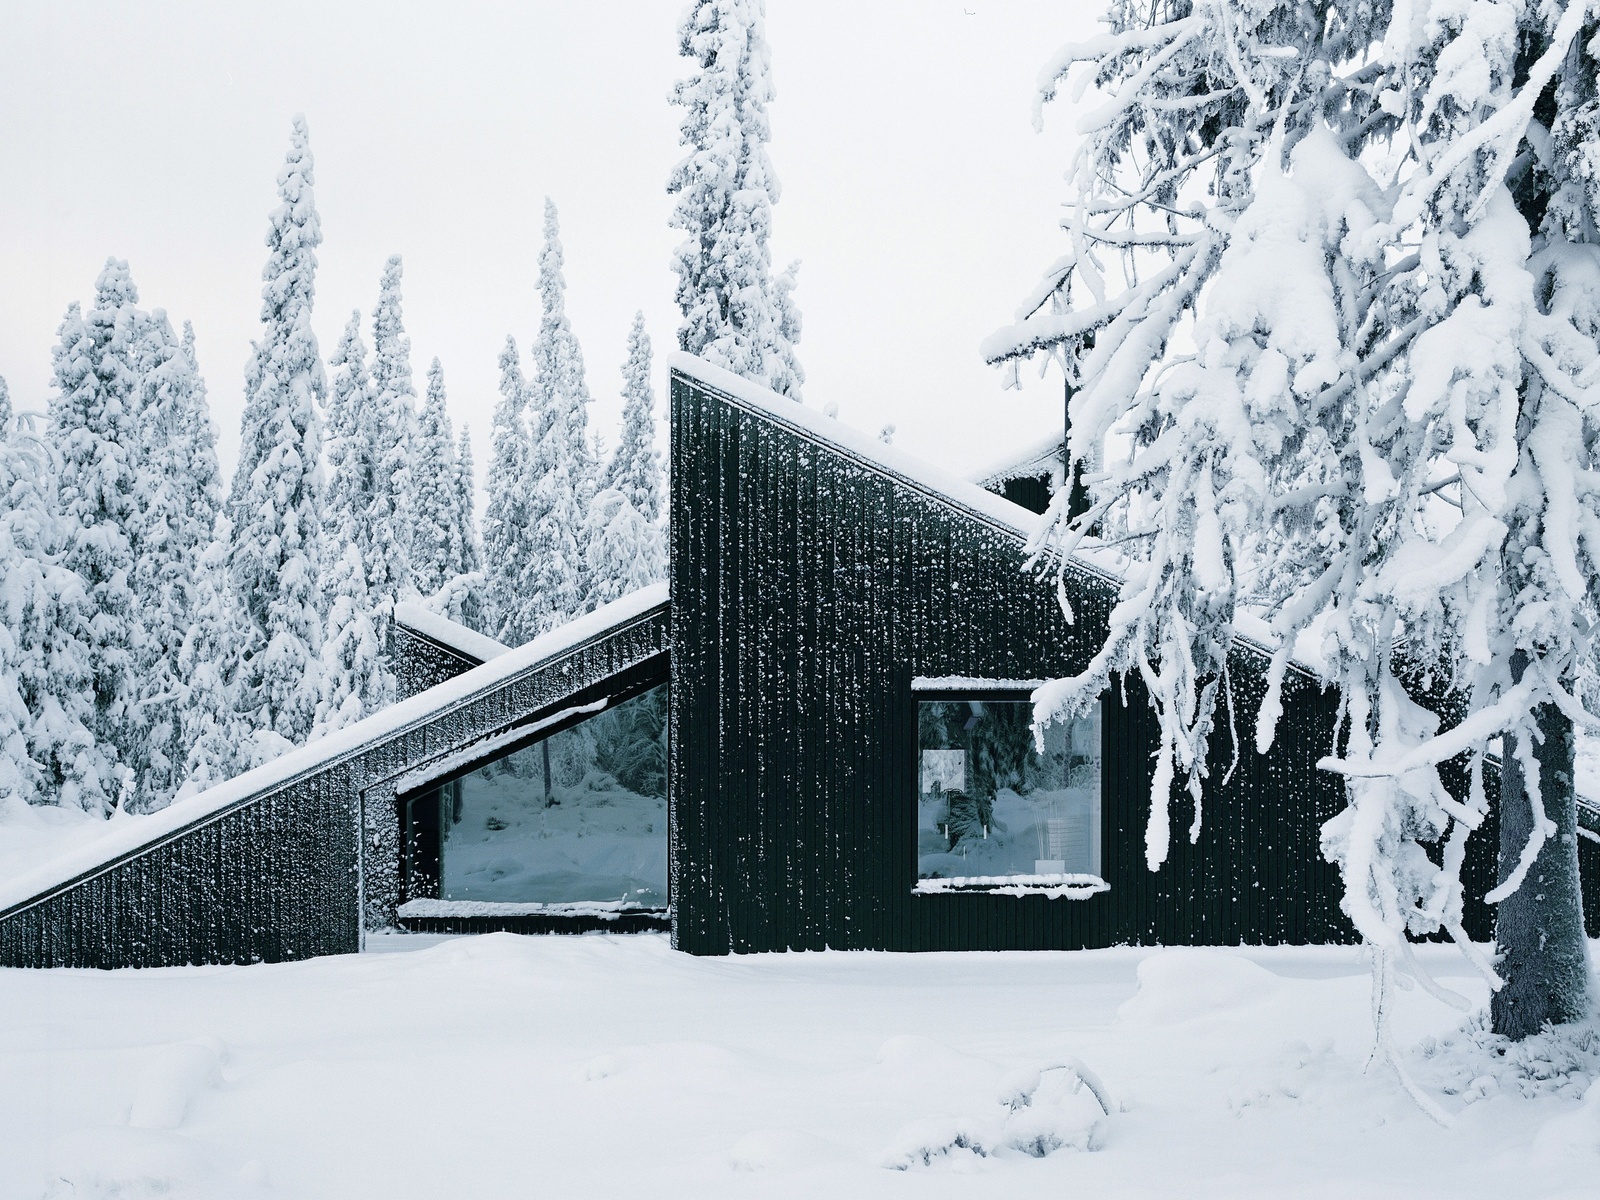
1331 307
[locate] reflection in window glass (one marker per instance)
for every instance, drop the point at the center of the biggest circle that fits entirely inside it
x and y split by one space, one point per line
580 816
992 803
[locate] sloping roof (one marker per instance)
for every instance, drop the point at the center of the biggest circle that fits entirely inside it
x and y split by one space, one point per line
1039 457
864 448
453 636
1092 560
125 837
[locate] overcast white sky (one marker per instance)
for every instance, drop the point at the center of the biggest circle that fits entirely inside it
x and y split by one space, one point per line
915 191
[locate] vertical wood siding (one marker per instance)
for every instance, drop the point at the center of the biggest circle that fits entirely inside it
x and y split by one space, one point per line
808 588
421 663
293 871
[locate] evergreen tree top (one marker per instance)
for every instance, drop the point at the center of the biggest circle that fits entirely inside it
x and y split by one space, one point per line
513 387
735 313
294 232
391 358
558 361
350 380
114 287
635 468
434 423
552 283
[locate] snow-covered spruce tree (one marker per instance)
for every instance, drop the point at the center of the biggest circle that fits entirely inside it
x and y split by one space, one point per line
465 557
348 492
209 666
461 596
354 679
48 752
505 518
274 561
177 496
394 417
734 313
626 552
5 408
208 653
1352 358
93 426
635 469
626 545
554 578
433 496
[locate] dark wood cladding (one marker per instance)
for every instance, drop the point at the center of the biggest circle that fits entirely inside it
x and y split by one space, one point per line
809 587
268 880
420 662
640 921
293 871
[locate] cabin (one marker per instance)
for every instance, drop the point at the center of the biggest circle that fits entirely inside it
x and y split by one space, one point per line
816 734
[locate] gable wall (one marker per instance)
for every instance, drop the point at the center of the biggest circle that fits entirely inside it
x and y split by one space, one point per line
809 588
420 662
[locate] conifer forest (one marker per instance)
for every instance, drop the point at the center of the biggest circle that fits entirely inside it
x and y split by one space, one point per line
739 727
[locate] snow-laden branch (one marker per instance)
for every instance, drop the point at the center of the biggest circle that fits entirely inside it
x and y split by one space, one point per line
1503 131
1351 372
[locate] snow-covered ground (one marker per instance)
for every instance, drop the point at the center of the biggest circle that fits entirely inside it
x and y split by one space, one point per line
606 1066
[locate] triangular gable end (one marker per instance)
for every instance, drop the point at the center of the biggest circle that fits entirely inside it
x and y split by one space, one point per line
816 575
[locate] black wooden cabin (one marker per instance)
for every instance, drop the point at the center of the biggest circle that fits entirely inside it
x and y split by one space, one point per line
817 740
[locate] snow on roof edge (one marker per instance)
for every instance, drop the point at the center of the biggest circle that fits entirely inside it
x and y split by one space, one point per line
127 835
1041 453
963 492
1253 632
451 634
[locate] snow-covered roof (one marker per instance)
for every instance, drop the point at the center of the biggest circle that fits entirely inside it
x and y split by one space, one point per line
1041 456
1091 559
452 635
863 447
123 837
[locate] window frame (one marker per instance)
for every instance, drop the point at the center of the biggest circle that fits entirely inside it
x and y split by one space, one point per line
1071 885
423 784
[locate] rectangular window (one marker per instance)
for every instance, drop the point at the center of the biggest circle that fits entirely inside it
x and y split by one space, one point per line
994 807
577 818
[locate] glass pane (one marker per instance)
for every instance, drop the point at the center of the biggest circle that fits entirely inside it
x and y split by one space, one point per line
992 803
580 816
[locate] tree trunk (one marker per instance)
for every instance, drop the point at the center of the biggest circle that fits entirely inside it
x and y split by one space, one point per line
1539 928
549 797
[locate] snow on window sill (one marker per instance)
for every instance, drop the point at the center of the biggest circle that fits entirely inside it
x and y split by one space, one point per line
1052 887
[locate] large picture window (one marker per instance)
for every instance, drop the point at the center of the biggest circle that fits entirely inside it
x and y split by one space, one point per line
577 818
994 807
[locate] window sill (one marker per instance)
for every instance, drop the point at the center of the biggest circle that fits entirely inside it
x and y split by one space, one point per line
603 909
1052 887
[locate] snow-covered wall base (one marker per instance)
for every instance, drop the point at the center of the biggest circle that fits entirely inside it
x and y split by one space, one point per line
290 860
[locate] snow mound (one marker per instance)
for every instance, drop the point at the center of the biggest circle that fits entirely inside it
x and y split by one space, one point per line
120 1162
1057 1116
781 1150
1576 1130
1185 984
171 1081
